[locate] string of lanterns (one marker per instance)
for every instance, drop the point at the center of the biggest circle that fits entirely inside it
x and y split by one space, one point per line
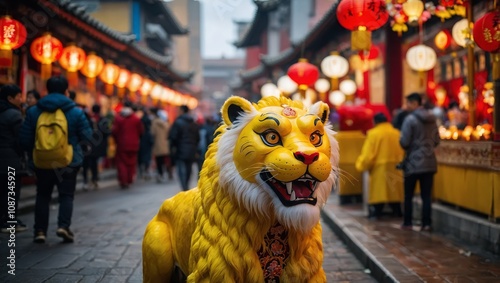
47 49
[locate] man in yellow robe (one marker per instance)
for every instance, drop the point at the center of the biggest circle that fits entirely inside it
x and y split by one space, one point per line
380 154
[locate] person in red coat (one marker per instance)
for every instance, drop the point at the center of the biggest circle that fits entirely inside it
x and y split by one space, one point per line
127 131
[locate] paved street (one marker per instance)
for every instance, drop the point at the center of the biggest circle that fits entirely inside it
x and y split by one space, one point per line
108 226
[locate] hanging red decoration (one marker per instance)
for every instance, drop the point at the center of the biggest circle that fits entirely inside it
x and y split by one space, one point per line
109 75
72 60
12 36
362 17
122 81
486 32
46 49
304 74
91 69
371 54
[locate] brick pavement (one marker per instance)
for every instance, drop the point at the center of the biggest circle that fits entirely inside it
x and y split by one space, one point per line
108 226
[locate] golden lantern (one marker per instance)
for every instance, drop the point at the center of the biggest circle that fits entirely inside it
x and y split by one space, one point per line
72 60
462 33
91 69
122 81
334 66
286 86
135 82
46 49
145 89
413 9
109 75
13 36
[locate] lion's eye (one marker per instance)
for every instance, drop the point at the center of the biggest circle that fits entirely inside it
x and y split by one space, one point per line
271 138
316 139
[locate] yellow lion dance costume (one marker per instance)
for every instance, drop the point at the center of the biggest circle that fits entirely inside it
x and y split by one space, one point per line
254 216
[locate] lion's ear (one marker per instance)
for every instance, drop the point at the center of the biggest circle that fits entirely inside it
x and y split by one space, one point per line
321 109
233 108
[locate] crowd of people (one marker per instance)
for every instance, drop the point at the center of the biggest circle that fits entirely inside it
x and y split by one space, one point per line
53 139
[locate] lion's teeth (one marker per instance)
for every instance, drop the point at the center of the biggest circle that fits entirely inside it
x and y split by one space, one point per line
289 187
292 196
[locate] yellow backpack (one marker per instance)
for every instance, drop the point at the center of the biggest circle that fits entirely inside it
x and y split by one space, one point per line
52 149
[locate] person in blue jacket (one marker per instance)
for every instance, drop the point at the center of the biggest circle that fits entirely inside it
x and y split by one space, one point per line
79 132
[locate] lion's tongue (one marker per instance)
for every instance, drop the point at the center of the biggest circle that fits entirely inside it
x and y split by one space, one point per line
301 190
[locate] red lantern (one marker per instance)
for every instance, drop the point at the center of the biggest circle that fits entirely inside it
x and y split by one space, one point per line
46 49
72 60
304 74
362 17
109 75
486 31
91 69
442 40
12 36
369 55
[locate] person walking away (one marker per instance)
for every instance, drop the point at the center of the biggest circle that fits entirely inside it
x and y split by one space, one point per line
419 138
380 154
99 142
10 157
127 130
184 137
51 134
161 147
145 145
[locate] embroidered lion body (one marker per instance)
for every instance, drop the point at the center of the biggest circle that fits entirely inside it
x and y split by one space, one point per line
271 163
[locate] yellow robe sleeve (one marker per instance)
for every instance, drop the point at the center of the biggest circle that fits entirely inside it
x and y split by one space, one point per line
368 154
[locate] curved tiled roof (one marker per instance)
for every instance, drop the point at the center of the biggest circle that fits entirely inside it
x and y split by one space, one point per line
74 13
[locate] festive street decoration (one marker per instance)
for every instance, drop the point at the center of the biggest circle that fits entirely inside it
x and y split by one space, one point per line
109 75
370 54
122 81
362 17
413 9
46 50
269 89
304 74
72 60
421 58
91 69
286 86
12 36
462 33
486 32
442 40
334 66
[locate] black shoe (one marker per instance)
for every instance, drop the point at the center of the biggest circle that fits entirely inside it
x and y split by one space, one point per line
39 237
66 234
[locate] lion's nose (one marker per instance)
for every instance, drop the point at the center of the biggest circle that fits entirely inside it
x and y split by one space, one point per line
306 158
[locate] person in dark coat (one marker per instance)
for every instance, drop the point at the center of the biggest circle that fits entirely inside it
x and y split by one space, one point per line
127 131
10 156
79 132
146 146
419 138
184 137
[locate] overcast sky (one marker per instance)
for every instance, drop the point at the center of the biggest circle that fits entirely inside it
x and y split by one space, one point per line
217 28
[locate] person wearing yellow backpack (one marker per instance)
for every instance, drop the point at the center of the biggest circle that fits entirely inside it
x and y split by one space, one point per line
53 133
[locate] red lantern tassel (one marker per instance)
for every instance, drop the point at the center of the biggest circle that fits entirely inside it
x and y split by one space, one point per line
5 58
91 84
46 71
72 78
121 92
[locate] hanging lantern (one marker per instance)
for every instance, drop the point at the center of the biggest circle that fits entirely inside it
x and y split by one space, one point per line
109 75
72 60
91 69
135 82
421 58
348 87
286 86
336 97
304 74
122 81
486 32
442 40
145 89
413 9
461 33
12 36
192 103
46 49
362 17
269 89
156 92
322 86
334 66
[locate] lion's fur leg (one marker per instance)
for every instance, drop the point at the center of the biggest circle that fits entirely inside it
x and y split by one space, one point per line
157 252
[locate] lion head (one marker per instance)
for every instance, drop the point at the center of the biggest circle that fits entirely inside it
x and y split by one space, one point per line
278 159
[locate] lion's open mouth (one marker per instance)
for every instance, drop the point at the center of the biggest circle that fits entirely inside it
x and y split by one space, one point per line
295 192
